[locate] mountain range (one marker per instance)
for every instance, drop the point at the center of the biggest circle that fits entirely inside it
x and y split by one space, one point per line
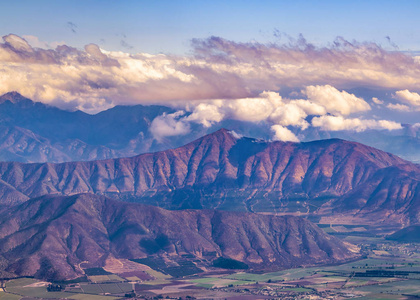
79 189
49 237
225 171
36 132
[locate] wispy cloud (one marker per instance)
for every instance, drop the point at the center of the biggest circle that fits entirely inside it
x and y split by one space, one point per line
397 106
336 123
72 26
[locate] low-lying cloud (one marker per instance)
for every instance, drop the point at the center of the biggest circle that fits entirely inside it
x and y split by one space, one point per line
337 123
168 125
336 101
407 97
280 113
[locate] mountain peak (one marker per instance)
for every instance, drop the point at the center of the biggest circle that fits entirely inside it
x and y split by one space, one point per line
223 132
14 97
223 136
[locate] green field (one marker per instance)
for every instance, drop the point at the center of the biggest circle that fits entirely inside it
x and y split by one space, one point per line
20 282
275 276
93 297
215 281
157 275
409 287
6 296
91 288
105 278
40 292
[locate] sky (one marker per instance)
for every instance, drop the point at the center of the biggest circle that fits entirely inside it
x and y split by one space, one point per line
351 65
168 26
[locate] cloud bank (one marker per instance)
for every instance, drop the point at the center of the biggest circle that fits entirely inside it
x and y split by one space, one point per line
328 106
220 79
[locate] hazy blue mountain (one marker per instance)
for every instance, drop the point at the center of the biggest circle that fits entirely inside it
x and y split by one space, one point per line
404 142
35 132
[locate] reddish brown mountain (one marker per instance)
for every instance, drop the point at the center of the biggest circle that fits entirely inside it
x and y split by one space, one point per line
226 172
49 237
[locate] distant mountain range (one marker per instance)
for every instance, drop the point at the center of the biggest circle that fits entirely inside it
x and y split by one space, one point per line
35 132
49 237
224 171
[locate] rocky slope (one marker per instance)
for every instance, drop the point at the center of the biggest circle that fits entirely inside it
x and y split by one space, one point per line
224 171
49 236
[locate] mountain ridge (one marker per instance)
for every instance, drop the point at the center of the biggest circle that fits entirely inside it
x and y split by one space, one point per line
221 171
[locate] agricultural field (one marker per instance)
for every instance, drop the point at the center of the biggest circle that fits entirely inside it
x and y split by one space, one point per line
105 278
8 296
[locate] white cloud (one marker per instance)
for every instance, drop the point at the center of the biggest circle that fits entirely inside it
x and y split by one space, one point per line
336 123
309 107
268 106
169 125
290 114
408 97
397 106
271 108
252 109
35 42
283 134
334 100
17 43
206 114
377 101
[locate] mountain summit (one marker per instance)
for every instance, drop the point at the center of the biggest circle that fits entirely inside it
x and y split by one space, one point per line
15 98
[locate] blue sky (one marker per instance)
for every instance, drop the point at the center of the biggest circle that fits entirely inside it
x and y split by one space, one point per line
168 26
